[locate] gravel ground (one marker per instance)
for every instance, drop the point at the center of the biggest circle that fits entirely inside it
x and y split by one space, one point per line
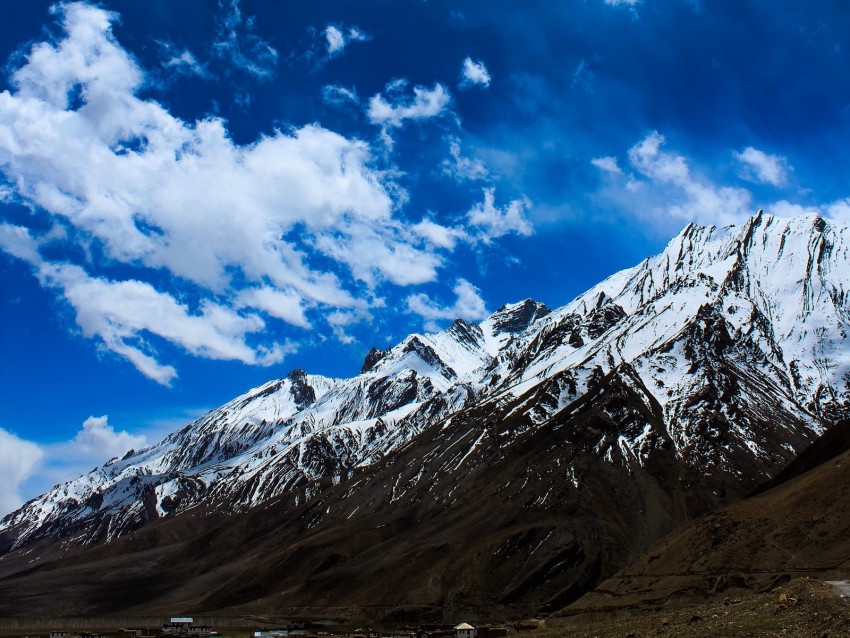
804 607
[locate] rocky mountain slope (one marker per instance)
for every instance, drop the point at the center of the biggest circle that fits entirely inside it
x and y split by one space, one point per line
507 465
301 431
799 527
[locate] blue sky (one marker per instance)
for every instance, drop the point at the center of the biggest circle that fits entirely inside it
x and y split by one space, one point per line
199 196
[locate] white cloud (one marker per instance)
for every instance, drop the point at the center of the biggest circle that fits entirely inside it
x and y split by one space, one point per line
338 38
239 44
394 110
184 62
689 198
337 95
164 195
607 165
285 305
439 235
98 442
462 168
617 3
367 253
839 210
474 74
20 460
665 190
646 156
339 320
493 222
468 305
758 166
120 313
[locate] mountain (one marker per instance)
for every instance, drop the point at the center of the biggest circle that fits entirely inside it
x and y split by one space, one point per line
299 432
797 527
504 467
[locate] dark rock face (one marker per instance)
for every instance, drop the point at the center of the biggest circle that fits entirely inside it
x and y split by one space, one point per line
519 316
428 355
374 356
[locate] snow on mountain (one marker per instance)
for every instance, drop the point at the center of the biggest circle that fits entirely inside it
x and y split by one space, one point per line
737 338
283 435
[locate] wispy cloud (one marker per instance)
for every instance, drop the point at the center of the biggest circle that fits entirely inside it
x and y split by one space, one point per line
491 222
607 165
695 198
339 37
337 95
662 187
439 235
182 62
460 167
474 73
758 166
468 305
239 44
395 106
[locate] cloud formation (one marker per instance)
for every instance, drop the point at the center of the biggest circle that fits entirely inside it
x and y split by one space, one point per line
238 42
337 38
19 460
337 95
607 165
474 73
492 222
662 187
97 441
394 107
299 219
462 168
691 198
758 166
182 62
468 305
31 468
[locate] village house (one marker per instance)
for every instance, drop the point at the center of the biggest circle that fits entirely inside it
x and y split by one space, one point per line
465 630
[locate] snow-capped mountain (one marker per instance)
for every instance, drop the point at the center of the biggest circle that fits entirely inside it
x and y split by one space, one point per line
291 433
729 352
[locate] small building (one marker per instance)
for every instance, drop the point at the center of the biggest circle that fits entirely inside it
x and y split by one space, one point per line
465 630
59 634
181 625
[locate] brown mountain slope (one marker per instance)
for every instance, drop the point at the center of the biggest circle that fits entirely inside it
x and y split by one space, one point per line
799 527
486 515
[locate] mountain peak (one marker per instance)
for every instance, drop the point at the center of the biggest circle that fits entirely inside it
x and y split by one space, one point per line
516 317
373 357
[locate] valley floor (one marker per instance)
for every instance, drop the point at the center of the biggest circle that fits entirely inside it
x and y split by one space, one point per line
804 608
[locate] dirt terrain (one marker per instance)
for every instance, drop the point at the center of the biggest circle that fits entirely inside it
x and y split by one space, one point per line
800 608
798 528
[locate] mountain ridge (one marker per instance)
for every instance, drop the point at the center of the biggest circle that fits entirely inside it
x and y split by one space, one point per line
667 390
